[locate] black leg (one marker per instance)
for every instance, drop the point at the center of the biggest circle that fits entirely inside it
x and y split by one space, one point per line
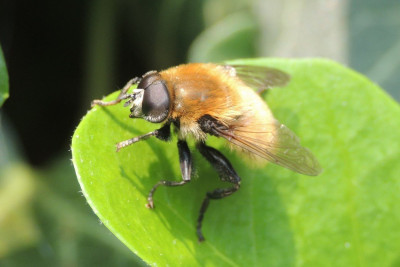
121 96
185 160
226 173
164 133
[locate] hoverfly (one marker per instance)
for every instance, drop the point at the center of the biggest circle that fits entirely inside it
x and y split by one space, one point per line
208 99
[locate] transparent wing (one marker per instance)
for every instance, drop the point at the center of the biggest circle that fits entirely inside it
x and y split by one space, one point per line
258 77
280 146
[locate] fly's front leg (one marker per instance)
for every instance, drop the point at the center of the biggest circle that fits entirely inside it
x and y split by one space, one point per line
121 96
164 133
135 139
185 160
226 173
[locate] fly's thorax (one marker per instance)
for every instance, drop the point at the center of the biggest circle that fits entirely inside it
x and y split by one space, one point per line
198 89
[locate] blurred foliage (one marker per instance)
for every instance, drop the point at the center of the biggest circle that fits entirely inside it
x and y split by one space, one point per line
233 36
278 217
44 220
17 227
80 50
374 41
3 79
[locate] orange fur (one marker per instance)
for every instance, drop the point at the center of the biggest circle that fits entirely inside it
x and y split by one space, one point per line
198 89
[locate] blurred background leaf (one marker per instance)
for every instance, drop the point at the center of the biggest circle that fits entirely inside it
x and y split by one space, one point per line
374 42
62 54
233 36
3 79
43 218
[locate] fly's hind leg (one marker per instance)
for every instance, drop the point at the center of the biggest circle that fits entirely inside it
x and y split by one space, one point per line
226 173
122 95
185 160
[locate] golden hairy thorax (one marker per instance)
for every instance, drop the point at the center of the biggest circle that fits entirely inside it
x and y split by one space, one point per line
198 89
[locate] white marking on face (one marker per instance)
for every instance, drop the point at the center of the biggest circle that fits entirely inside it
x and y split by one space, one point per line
136 106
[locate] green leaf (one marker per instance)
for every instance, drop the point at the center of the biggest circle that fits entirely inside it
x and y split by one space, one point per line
347 216
3 79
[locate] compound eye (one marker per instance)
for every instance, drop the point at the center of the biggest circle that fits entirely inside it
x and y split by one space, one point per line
148 79
155 105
